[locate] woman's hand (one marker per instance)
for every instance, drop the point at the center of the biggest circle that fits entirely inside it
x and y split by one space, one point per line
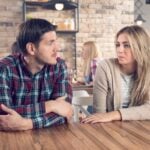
102 117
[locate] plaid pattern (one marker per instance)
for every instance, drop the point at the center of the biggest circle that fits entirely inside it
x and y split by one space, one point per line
93 67
27 93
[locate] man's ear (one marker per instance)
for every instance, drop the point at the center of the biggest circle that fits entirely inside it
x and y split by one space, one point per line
30 48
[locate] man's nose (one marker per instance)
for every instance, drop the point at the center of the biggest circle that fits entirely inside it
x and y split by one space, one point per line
57 46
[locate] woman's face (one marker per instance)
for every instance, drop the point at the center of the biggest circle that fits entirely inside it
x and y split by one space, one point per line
123 49
85 52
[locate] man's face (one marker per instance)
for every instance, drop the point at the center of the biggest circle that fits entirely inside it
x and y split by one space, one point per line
46 53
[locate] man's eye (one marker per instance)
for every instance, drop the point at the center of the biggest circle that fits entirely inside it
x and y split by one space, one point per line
50 43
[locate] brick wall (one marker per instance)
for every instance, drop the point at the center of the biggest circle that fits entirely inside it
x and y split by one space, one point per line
99 21
10 18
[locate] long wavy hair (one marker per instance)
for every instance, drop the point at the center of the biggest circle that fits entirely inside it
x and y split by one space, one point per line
139 41
91 52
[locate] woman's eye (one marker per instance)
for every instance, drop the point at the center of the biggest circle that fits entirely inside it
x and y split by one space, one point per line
117 45
127 46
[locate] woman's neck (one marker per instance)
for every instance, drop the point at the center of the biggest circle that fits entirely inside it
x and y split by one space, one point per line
128 69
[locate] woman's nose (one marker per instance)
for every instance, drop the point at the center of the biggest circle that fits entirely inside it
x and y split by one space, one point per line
120 48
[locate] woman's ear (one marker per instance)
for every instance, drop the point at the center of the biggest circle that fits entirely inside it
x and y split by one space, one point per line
30 48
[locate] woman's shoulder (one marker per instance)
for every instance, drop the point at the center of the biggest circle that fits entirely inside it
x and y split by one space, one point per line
108 62
96 60
108 65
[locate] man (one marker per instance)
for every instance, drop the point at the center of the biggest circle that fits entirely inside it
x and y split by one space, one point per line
34 84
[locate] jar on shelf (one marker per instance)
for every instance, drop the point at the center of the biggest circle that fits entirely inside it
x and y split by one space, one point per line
70 24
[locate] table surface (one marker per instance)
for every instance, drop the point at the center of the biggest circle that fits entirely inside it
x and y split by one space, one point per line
89 89
118 135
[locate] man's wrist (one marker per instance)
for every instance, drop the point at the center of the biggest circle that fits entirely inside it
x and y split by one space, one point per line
27 124
49 106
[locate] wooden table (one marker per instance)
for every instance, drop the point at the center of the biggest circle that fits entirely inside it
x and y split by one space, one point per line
89 89
134 135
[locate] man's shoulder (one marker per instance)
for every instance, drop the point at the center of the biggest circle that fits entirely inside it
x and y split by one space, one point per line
9 61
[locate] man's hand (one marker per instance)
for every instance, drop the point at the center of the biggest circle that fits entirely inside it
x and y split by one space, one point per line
13 121
60 107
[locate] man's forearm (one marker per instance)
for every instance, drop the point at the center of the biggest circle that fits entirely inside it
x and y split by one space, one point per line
26 124
49 106
39 108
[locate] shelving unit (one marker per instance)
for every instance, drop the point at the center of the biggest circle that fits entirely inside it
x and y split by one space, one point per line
67 22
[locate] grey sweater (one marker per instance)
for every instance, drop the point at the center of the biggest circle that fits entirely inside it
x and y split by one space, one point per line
107 93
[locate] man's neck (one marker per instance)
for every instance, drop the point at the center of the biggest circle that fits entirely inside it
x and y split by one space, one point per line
32 65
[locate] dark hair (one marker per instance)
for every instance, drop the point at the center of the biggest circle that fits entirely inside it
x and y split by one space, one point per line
15 49
32 30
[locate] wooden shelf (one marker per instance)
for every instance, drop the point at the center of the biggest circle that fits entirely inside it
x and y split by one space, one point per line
67 31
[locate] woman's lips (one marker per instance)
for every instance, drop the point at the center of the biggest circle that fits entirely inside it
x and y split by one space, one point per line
121 57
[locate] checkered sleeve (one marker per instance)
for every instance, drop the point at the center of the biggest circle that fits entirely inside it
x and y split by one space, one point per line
29 110
62 87
48 120
36 112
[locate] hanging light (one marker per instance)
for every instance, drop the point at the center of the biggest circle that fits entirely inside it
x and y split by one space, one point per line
138 5
139 20
60 5
147 1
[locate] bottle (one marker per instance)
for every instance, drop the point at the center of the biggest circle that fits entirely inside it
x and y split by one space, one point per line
72 24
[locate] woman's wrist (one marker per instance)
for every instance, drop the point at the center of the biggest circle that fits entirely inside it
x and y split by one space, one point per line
117 115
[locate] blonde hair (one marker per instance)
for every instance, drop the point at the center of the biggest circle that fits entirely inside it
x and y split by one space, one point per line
92 53
140 47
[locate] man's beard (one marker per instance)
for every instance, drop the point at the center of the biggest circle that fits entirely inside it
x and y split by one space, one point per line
42 62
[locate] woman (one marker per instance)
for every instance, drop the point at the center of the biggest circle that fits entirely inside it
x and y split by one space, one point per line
122 85
90 57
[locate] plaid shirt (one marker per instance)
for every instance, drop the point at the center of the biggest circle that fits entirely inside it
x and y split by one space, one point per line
93 67
26 93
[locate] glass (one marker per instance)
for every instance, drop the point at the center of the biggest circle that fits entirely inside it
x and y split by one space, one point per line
72 75
87 79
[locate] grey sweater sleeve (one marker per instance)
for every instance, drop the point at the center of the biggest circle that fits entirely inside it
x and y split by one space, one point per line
100 90
141 112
